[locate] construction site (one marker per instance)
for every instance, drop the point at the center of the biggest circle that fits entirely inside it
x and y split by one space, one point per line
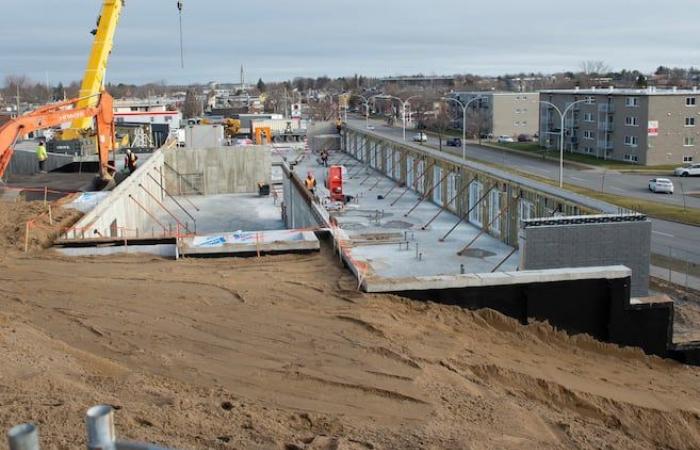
320 287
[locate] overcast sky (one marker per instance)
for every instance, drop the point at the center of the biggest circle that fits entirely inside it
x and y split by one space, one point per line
281 39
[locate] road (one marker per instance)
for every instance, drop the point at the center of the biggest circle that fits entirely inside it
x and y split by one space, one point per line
598 179
682 241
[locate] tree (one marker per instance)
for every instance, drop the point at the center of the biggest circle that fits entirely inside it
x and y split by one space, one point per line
478 122
192 107
261 86
641 81
594 67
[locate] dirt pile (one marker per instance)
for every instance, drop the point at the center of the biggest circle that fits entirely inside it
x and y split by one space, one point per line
15 215
282 353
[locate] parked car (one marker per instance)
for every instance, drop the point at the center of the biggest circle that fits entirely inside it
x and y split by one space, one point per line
503 139
454 142
661 185
688 170
525 138
420 137
486 136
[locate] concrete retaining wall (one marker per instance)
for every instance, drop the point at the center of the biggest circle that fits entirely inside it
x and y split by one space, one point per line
300 209
222 170
24 162
126 210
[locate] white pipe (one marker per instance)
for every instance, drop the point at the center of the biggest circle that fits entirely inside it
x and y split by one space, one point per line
100 428
23 437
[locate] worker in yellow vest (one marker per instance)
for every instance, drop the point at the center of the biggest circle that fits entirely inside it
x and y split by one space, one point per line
310 183
42 156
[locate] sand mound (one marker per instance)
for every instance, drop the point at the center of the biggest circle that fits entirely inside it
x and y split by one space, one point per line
15 215
281 353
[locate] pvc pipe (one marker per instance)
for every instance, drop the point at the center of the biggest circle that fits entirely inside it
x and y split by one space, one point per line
23 437
99 421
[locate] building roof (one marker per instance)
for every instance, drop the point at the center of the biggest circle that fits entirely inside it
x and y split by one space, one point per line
492 93
616 91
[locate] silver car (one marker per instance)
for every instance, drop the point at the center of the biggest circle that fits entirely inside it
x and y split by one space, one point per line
661 185
688 170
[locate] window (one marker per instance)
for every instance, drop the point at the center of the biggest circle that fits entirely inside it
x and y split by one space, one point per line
410 171
474 196
437 182
631 141
588 117
527 209
420 176
390 163
524 122
631 121
587 134
494 212
689 141
517 124
588 150
589 100
687 159
632 102
517 111
452 190
632 158
690 121
396 165
690 101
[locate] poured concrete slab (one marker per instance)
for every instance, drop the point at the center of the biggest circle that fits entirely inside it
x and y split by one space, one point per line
262 242
223 213
390 243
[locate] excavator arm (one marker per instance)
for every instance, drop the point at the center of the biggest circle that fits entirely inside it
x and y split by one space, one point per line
56 114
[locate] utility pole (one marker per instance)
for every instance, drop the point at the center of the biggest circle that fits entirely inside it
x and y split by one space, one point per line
17 98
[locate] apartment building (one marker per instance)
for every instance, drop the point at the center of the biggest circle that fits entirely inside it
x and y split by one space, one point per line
642 126
501 113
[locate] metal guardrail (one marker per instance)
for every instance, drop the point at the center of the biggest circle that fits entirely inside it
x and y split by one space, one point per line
99 422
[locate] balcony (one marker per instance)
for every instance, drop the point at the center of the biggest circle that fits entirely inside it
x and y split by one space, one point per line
606 127
605 145
606 108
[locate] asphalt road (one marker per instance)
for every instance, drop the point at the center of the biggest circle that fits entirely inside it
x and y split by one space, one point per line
681 241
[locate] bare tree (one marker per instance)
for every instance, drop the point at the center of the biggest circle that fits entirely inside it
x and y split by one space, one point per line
192 106
478 123
594 67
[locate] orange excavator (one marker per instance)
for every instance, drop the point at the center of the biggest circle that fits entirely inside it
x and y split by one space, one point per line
59 113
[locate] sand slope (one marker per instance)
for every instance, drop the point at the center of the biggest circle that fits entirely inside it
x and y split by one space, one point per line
282 352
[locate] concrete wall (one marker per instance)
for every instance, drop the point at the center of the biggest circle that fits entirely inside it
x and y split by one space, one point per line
24 162
222 170
318 128
325 141
203 136
299 209
126 211
586 244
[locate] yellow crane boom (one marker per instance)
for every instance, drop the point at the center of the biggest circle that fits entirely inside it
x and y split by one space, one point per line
94 77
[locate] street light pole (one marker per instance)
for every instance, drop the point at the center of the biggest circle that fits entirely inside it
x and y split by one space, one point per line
464 120
562 116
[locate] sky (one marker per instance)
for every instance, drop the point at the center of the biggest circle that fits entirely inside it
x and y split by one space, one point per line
281 39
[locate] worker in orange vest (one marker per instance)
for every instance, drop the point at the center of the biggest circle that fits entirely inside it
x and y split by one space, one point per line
310 182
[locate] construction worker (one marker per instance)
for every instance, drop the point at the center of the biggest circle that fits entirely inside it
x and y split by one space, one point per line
130 161
42 156
310 182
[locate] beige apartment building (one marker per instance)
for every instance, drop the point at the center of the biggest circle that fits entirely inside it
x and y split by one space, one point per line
504 113
641 126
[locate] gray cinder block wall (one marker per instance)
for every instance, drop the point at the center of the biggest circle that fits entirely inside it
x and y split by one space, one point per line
589 241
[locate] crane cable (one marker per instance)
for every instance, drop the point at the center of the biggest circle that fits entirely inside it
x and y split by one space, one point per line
180 4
